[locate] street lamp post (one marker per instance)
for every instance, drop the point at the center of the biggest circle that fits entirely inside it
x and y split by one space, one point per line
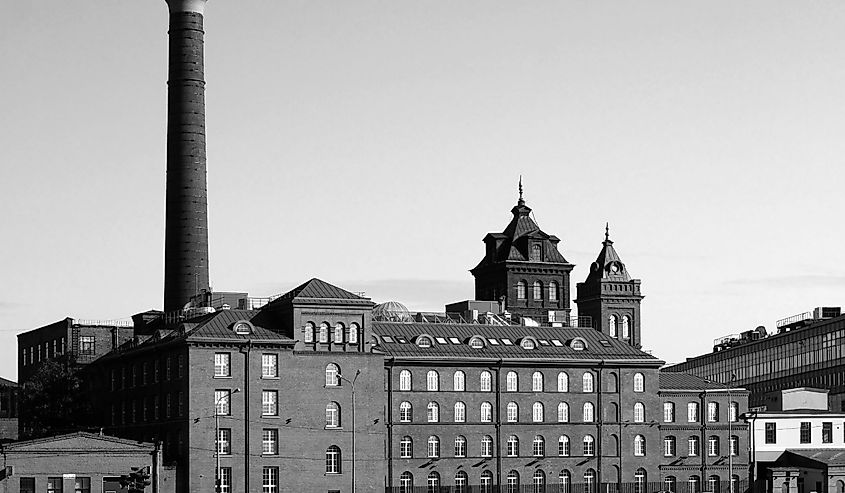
730 435
352 383
217 475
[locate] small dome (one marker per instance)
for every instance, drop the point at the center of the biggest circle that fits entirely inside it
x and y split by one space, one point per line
392 311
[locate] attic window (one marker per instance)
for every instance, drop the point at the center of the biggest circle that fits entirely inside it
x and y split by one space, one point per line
424 341
544 342
604 343
506 341
557 343
387 338
493 342
476 343
454 340
242 327
578 344
402 340
528 343
441 340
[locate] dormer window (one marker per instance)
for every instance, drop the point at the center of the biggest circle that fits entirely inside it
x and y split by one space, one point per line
578 344
476 342
528 343
424 341
242 327
536 252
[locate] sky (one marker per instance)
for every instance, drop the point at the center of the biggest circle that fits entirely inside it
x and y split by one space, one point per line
373 144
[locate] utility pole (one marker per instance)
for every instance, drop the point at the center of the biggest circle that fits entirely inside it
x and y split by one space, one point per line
352 383
217 475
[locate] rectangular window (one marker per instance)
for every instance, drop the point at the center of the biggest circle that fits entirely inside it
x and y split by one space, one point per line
269 365
668 412
222 367
54 485
806 432
180 403
225 480
27 485
167 405
270 480
224 441
270 442
155 371
827 432
221 402
167 368
86 345
82 485
156 406
771 433
269 403
692 412
145 373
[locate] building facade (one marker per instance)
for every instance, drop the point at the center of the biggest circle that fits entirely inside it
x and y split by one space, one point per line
8 410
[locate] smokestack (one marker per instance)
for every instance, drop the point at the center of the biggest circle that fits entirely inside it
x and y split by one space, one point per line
186 216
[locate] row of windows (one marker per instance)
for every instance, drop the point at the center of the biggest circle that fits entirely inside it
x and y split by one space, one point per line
512 412
81 484
511 381
270 474
693 412
223 365
43 351
694 446
614 326
805 432
537 290
269 441
538 446
269 402
147 409
146 373
512 482
338 334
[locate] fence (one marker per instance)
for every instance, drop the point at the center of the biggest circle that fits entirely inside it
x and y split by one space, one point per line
557 487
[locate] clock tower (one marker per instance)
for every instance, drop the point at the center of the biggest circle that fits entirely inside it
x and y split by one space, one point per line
610 297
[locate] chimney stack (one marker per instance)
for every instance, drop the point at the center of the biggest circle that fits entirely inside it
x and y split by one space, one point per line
186 216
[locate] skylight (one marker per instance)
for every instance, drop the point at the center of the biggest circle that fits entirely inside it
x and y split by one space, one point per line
454 340
493 342
401 340
387 338
604 343
544 342
506 341
441 340
557 343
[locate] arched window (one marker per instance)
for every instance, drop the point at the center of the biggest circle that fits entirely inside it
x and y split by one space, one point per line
562 412
639 382
564 480
587 382
309 332
626 327
513 446
537 381
486 482
460 482
339 329
611 324
670 484
406 482
353 333
553 287
433 446
406 447
424 341
538 446
521 290
589 446
840 487
693 446
589 415
563 446
458 381
432 380
539 480
486 446
733 413
713 446
433 415
332 415
460 412
485 380
590 481
536 252
538 290
640 481
511 381
405 380
486 412
537 412
562 382
333 460
405 413
433 482
639 445
713 483
712 412
513 482
668 412
332 372
669 446
734 444
639 412
460 446
513 412
694 484
324 332
692 412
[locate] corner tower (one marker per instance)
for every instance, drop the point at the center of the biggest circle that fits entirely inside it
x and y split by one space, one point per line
610 297
524 271
186 216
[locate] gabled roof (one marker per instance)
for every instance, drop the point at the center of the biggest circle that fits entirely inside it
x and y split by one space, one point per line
599 346
80 442
317 289
608 265
219 326
828 457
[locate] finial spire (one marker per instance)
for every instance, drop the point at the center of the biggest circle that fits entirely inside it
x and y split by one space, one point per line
521 201
607 231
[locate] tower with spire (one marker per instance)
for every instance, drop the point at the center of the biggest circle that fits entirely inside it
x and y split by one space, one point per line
524 271
610 297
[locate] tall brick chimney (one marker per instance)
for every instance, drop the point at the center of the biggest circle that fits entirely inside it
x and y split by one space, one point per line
186 216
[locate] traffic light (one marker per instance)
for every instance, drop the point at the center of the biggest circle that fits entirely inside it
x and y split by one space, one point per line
137 480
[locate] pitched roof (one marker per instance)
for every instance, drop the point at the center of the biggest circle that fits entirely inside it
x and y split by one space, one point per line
319 289
608 265
79 442
598 345
4 382
830 457
218 325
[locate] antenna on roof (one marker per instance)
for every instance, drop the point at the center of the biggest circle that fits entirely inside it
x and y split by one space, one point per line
521 201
